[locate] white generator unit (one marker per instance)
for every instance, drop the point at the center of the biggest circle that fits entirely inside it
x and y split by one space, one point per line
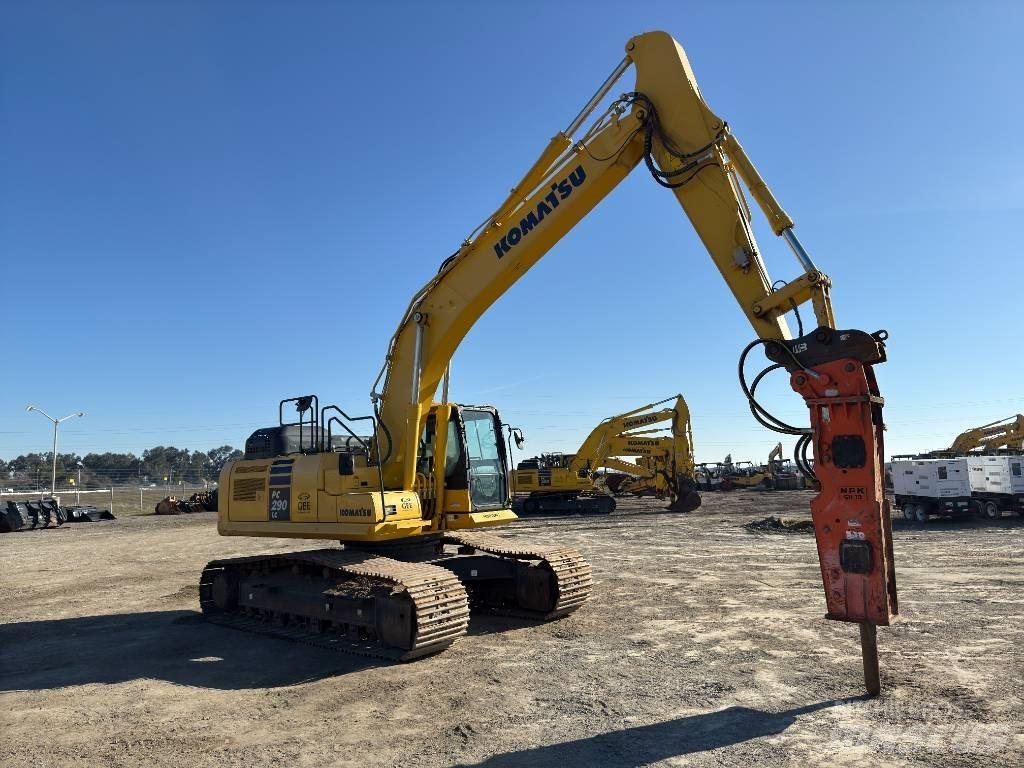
926 487
997 484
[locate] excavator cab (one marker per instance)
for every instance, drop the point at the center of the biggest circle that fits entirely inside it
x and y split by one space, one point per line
475 465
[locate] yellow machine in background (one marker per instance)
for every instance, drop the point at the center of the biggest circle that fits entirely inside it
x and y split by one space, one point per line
664 465
404 488
564 483
1006 434
741 474
556 486
782 477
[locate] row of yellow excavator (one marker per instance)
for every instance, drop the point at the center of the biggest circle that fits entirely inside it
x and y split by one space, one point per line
627 454
662 465
585 481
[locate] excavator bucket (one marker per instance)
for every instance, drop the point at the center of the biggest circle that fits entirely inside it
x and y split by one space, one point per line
687 502
44 514
197 502
88 514
684 495
15 517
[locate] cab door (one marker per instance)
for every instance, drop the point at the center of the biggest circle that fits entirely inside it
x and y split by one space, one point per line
488 480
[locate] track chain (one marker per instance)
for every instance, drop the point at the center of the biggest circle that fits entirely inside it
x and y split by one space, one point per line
573 578
441 602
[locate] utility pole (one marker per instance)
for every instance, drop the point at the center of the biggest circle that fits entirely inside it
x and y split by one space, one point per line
56 423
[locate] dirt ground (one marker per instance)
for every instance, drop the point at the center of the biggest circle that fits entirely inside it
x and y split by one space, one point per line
703 644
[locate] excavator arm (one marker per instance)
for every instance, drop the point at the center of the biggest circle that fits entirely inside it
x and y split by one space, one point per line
671 456
596 447
665 124
1006 433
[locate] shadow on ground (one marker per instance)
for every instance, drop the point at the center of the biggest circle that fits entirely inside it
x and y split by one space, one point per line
177 646
648 744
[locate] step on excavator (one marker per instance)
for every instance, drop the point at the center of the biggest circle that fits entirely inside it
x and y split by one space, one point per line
408 489
559 483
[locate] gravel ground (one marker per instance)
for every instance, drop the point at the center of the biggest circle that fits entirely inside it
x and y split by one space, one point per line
703 644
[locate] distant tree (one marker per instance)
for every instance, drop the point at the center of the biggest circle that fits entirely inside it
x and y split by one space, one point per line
218 457
169 462
30 470
196 471
110 468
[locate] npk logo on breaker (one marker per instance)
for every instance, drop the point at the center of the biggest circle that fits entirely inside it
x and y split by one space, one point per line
559 192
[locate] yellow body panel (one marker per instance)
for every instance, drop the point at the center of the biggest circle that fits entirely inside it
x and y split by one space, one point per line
397 529
306 497
553 480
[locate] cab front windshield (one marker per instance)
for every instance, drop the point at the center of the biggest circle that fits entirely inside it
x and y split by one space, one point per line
487 482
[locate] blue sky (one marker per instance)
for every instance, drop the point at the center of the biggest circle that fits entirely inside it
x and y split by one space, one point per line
206 207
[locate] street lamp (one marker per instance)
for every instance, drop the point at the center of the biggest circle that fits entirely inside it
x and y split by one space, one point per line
56 422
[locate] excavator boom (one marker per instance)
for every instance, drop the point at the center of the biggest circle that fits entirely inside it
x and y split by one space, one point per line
1006 434
670 128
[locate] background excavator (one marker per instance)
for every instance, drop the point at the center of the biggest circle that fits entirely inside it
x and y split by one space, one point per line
664 465
1005 434
564 483
781 475
404 488
742 474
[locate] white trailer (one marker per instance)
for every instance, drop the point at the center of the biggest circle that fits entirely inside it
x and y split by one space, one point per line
997 484
926 487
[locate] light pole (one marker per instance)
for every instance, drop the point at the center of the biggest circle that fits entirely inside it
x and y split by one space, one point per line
56 422
78 488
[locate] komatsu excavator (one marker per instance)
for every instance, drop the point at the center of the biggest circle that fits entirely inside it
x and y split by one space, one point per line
407 495
664 466
1005 434
564 483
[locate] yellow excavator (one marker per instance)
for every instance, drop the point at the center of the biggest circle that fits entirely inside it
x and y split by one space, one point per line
742 474
1005 434
664 465
406 489
564 483
781 476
